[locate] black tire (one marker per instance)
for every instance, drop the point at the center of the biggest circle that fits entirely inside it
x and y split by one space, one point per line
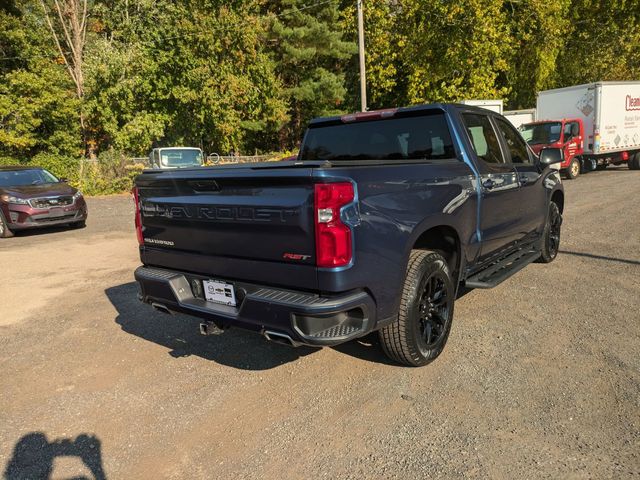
551 235
589 165
420 331
573 170
634 162
5 231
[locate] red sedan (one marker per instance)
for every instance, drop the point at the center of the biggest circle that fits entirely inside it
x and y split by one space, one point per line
32 197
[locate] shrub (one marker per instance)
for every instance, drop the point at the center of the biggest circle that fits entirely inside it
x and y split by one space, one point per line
112 172
9 161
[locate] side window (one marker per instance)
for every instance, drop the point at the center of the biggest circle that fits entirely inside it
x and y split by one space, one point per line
483 137
515 143
571 130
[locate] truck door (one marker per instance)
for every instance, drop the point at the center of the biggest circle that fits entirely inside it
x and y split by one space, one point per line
498 221
155 160
572 141
532 196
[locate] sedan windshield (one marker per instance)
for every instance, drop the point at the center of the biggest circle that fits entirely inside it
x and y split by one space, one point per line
541 133
20 178
181 158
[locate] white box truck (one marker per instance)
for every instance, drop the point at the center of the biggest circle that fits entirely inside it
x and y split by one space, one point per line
493 105
519 117
597 124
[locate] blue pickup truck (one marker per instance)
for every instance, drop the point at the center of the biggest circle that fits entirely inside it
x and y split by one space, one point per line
377 225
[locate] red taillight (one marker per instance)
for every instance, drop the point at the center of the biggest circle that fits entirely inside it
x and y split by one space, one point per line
625 156
138 218
333 238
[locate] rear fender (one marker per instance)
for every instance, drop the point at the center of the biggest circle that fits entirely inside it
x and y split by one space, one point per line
437 222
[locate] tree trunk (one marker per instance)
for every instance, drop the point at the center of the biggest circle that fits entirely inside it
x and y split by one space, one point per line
67 21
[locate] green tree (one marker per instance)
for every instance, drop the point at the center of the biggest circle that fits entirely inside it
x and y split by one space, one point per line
421 51
38 110
538 35
124 111
455 50
67 21
193 72
247 75
310 57
385 44
602 42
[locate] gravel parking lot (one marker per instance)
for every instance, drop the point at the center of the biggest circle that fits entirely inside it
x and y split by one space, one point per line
540 378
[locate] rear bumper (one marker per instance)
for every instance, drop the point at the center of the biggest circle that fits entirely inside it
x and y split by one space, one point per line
305 318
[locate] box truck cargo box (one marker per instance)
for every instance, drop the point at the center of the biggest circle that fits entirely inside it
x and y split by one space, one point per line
493 105
598 124
518 117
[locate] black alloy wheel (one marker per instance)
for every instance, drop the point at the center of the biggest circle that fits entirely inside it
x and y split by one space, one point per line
555 222
421 329
551 237
434 310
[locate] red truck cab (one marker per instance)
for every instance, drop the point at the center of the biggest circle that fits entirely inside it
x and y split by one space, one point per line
567 134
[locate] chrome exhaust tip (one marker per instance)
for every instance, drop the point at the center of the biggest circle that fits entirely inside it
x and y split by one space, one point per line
161 308
278 337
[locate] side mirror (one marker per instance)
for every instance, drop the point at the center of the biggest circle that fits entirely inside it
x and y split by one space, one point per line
63 180
550 156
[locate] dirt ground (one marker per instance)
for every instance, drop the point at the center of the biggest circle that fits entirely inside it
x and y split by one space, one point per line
540 377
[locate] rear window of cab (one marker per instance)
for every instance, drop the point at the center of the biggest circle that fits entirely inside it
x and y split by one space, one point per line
417 137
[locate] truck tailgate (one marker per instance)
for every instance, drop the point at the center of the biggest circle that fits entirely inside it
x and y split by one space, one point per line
247 222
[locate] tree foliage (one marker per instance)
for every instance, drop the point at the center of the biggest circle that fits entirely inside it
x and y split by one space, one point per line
38 108
309 55
538 35
247 75
603 42
456 50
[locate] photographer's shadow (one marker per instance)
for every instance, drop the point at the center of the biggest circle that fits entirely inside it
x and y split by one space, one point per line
34 457
181 335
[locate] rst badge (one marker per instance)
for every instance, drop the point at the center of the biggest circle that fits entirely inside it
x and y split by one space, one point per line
295 256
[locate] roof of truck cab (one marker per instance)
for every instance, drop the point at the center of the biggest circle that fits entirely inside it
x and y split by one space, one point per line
382 113
177 148
391 112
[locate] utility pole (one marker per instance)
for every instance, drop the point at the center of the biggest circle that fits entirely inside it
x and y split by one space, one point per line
363 75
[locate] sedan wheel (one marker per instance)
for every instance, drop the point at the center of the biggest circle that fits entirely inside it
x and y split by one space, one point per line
5 232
